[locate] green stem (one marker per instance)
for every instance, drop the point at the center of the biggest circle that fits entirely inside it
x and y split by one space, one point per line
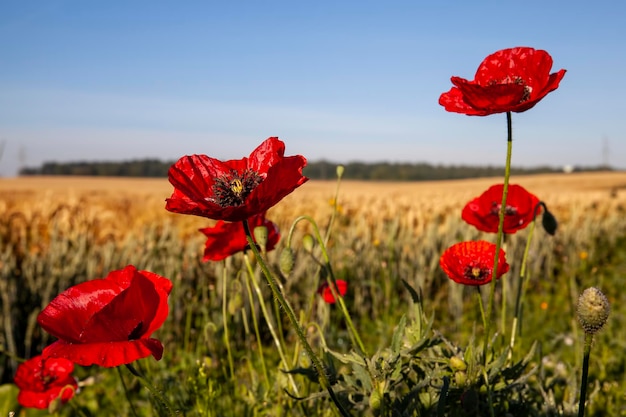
155 392
505 191
126 393
231 365
482 308
503 295
583 382
268 320
333 215
331 280
317 364
489 394
79 412
521 287
255 323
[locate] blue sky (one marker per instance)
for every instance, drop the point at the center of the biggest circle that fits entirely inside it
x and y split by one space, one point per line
342 81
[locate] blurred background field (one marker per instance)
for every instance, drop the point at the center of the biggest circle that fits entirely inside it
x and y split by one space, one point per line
58 231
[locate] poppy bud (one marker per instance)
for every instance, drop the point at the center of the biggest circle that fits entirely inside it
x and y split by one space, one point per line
548 221
286 261
593 310
260 236
457 364
340 170
234 304
307 242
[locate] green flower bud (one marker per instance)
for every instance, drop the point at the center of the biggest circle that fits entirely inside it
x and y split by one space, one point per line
308 242
260 236
287 261
234 304
340 169
593 310
460 378
375 400
457 364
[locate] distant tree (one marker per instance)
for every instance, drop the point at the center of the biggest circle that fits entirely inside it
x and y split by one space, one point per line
325 170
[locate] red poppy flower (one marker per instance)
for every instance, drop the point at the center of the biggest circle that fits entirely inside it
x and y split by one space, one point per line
327 294
108 321
510 80
471 263
483 212
41 381
226 239
237 189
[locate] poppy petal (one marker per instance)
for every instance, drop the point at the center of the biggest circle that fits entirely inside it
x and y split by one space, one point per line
246 187
509 80
105 354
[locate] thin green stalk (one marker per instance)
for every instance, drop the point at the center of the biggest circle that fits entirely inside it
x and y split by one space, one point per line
505 191
481 306
330 279
317 364
126 393
268 320
255 323
155 392
504 292
521 287
492 412
333 215
79 412
231 365
583 382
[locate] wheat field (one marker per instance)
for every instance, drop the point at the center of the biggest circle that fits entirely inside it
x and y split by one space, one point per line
58 231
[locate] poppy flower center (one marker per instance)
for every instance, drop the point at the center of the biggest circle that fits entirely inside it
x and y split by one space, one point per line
508 210
515 80
476 272
232 189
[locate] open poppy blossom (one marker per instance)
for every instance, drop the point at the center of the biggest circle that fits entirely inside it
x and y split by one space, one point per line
237 189
483 212
226 239
41 381
509 80
326 293
471 262
108 321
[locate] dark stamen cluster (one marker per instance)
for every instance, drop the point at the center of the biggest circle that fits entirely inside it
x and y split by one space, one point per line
508 210
515 80
476 272
231 190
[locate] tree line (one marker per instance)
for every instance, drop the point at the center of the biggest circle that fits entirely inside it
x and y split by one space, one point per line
375 171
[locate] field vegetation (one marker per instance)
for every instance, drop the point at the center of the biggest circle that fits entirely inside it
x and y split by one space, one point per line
421 331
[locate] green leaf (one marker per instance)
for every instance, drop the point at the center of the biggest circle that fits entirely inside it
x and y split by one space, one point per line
396 341
8 399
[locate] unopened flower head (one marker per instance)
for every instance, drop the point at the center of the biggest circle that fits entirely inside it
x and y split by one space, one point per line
593 310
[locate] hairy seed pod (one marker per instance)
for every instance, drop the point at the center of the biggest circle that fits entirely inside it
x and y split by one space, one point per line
593 310
287 261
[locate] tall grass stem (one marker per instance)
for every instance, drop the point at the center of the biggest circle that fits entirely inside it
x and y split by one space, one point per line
231 365
268 320
317 364
331 280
